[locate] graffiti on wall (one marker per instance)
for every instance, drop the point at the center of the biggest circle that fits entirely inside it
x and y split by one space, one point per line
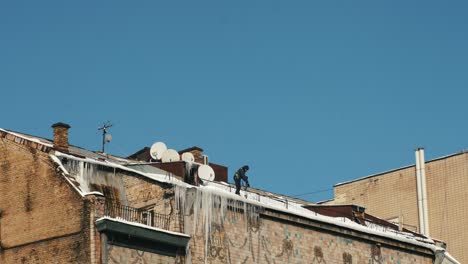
318 255
376 254
119 255
347 258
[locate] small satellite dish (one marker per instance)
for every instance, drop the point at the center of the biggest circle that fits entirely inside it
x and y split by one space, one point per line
157 149
170 155
205 172
187 156
108 138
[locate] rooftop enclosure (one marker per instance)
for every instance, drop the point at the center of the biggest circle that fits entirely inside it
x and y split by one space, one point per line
180 168
130 211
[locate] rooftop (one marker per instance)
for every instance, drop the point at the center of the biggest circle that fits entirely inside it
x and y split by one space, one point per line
280 203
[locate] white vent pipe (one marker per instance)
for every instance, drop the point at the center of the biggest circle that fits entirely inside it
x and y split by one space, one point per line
422 163
422 192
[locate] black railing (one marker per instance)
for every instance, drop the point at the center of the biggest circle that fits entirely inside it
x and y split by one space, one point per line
146 217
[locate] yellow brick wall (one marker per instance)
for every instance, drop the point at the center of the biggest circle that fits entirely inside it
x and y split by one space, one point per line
57 251
32 200
394 194
386 196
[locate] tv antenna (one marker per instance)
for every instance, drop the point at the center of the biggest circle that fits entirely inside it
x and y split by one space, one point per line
105 137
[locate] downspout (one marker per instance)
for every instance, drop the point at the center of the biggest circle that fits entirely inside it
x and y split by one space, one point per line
92 242
419 193
424 191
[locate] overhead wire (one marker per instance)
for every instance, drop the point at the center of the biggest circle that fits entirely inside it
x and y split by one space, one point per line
313 192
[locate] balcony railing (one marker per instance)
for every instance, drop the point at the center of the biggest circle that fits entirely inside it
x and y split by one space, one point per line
142 216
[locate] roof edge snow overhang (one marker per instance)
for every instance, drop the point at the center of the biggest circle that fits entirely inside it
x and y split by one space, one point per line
345 226
347 231
122 233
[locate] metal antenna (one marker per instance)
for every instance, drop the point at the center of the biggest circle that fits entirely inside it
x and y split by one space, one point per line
104 128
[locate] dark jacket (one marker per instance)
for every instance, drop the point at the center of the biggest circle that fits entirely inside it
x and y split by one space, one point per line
240 175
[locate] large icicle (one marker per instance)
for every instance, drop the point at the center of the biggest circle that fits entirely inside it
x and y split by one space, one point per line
211 208
86 174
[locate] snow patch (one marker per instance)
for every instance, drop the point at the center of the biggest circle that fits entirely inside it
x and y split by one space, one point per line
28 138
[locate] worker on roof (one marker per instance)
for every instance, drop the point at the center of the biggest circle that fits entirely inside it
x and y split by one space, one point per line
240 175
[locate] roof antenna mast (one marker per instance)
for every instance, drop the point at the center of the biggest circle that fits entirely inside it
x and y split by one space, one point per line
105 137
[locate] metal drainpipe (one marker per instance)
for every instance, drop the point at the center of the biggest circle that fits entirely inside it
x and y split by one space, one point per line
422 229
424 191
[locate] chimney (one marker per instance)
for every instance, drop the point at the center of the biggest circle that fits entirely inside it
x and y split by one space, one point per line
61 136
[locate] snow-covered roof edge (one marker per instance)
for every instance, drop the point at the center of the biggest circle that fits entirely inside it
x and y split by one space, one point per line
342 222
451 258
106 163
426 243
35 140
65 174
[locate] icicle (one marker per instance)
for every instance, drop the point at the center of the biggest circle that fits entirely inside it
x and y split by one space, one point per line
180 195
196 207
210 208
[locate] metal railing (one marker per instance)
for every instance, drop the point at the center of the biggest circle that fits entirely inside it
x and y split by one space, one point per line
131 214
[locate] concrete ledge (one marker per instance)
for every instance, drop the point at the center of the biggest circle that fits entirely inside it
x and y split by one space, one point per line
141 238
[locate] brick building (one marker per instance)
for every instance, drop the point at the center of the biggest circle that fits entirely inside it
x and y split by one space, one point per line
64 204
446 188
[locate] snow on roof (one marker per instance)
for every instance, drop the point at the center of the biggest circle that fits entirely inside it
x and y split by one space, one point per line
107 163
297 209
266 200
277 203
450 258
120 220
29 138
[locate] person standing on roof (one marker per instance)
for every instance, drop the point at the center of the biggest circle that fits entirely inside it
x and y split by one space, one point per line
240 175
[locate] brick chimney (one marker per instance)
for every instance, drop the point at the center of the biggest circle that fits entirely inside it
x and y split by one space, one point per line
61 136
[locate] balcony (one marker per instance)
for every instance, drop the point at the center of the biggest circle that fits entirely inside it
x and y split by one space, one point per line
141 229
130 214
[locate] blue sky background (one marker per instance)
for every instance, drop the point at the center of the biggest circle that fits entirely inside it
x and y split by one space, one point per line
308 93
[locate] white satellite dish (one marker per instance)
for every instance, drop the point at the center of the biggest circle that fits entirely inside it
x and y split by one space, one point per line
205 172
170 155
157 149
187 156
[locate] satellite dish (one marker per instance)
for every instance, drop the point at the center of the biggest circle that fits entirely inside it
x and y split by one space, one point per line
170 155
205 172
187 156
108 138
157 149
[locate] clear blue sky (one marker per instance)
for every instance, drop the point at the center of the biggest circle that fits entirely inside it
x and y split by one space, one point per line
308 93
